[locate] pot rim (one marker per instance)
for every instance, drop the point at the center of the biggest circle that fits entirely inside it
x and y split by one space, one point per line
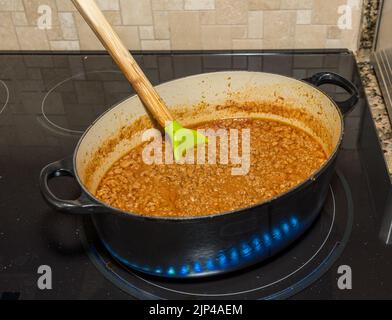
267 202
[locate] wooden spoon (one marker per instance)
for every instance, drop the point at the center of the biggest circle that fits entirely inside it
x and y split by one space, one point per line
182 138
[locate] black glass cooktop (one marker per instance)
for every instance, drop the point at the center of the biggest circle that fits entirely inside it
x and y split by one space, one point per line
48 100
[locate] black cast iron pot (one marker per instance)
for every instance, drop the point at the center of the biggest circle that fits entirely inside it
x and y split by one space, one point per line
213 244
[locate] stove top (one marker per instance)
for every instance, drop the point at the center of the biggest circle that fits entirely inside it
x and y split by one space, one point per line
46 102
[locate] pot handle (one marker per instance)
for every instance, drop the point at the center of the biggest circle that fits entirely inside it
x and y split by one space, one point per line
333 78
61 168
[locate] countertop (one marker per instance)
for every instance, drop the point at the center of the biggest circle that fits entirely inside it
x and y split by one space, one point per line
369 79
377 105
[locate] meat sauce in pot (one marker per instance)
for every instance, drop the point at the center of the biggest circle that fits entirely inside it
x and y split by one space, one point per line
281 156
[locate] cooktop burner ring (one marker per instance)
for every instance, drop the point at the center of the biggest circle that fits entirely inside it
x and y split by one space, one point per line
45 117
336 228
7 91
261 287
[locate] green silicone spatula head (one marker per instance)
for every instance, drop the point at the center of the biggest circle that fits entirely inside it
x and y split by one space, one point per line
182 138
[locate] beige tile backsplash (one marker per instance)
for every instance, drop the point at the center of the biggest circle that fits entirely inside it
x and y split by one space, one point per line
183 24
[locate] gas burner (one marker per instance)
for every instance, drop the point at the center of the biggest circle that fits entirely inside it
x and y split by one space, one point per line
279 277
74 103
4 96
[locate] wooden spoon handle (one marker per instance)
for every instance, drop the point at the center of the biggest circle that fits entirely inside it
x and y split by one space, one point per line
121 55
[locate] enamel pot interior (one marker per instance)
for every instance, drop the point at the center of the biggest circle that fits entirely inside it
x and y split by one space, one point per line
195 99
